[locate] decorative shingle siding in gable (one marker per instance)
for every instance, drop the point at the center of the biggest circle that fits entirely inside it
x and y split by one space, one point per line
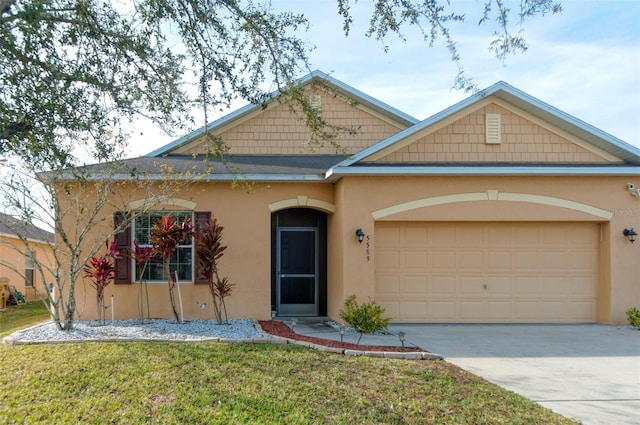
523 141
276 131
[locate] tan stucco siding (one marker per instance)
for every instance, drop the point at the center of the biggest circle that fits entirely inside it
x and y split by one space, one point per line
277 131
363 202
12 266
618 286
523 141
246 218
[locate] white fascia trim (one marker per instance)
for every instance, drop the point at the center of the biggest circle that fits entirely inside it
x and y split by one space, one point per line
223 178
359 96
482 171
570 119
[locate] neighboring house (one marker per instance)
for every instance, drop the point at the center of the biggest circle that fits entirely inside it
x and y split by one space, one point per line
500 208
16 264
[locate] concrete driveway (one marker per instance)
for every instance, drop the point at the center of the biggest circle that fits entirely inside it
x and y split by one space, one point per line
587 372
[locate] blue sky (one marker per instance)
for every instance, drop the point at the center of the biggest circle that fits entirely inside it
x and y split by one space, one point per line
585 61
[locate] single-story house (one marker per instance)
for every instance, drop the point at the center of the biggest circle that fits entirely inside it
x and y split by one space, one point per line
16 263
499 209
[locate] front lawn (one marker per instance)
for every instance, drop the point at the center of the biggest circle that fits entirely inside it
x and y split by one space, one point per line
16 317
209 383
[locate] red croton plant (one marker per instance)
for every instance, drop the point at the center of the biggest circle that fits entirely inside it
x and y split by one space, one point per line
166 235
102 271
210 250
142 256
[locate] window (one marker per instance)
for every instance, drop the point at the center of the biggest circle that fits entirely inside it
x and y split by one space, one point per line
28 271
138 229
182 259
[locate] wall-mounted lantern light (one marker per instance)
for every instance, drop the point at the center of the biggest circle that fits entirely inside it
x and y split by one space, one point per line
630 234
360 235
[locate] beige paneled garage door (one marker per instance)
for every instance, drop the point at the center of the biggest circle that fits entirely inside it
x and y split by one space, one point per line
487 272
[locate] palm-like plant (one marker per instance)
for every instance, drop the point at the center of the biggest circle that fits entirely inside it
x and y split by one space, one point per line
102 271
222 289
165 237
210 250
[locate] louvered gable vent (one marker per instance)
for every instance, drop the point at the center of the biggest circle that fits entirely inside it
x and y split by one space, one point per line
493 129
315 101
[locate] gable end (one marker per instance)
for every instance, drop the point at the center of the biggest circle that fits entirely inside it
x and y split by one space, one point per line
493 131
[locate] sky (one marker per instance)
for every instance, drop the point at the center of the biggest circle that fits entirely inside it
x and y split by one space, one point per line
584 61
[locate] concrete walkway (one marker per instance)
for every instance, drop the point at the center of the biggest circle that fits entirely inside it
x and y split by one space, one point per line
587 372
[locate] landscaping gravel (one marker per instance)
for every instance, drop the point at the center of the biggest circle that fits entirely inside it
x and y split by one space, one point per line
194 330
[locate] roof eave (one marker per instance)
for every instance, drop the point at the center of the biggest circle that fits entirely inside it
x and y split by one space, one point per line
460 170
283 178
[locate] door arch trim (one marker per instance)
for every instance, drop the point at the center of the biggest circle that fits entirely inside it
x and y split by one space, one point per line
303 201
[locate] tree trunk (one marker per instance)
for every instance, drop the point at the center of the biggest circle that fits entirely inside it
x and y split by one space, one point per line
171 296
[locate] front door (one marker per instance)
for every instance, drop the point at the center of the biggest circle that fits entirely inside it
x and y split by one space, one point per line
297 288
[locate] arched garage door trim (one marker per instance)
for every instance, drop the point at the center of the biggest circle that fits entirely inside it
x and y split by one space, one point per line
493 195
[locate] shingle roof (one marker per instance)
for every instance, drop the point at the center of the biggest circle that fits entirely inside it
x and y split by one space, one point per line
250 167
12 226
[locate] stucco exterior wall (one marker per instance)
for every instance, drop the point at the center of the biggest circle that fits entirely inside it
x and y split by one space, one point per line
619 282
12 266
246 218
355 202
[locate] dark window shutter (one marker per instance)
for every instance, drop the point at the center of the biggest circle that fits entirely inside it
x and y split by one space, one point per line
123 243
201 219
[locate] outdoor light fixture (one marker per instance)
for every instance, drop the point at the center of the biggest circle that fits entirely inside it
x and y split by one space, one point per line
401 335
360 235
630 234
341 333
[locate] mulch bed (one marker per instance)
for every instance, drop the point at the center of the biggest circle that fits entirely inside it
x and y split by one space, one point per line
282 330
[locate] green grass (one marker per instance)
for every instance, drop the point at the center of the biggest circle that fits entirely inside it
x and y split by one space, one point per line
16 317
215 383
180 383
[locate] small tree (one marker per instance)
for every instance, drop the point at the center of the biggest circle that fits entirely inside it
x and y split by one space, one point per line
102 271
366 318
210 250
166 235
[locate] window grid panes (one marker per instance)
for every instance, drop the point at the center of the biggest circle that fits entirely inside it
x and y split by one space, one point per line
182 259
28 271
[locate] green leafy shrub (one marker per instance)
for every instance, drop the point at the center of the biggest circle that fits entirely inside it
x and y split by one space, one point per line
366 318
633 316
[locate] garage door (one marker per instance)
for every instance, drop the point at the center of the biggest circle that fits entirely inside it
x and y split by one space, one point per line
487 272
